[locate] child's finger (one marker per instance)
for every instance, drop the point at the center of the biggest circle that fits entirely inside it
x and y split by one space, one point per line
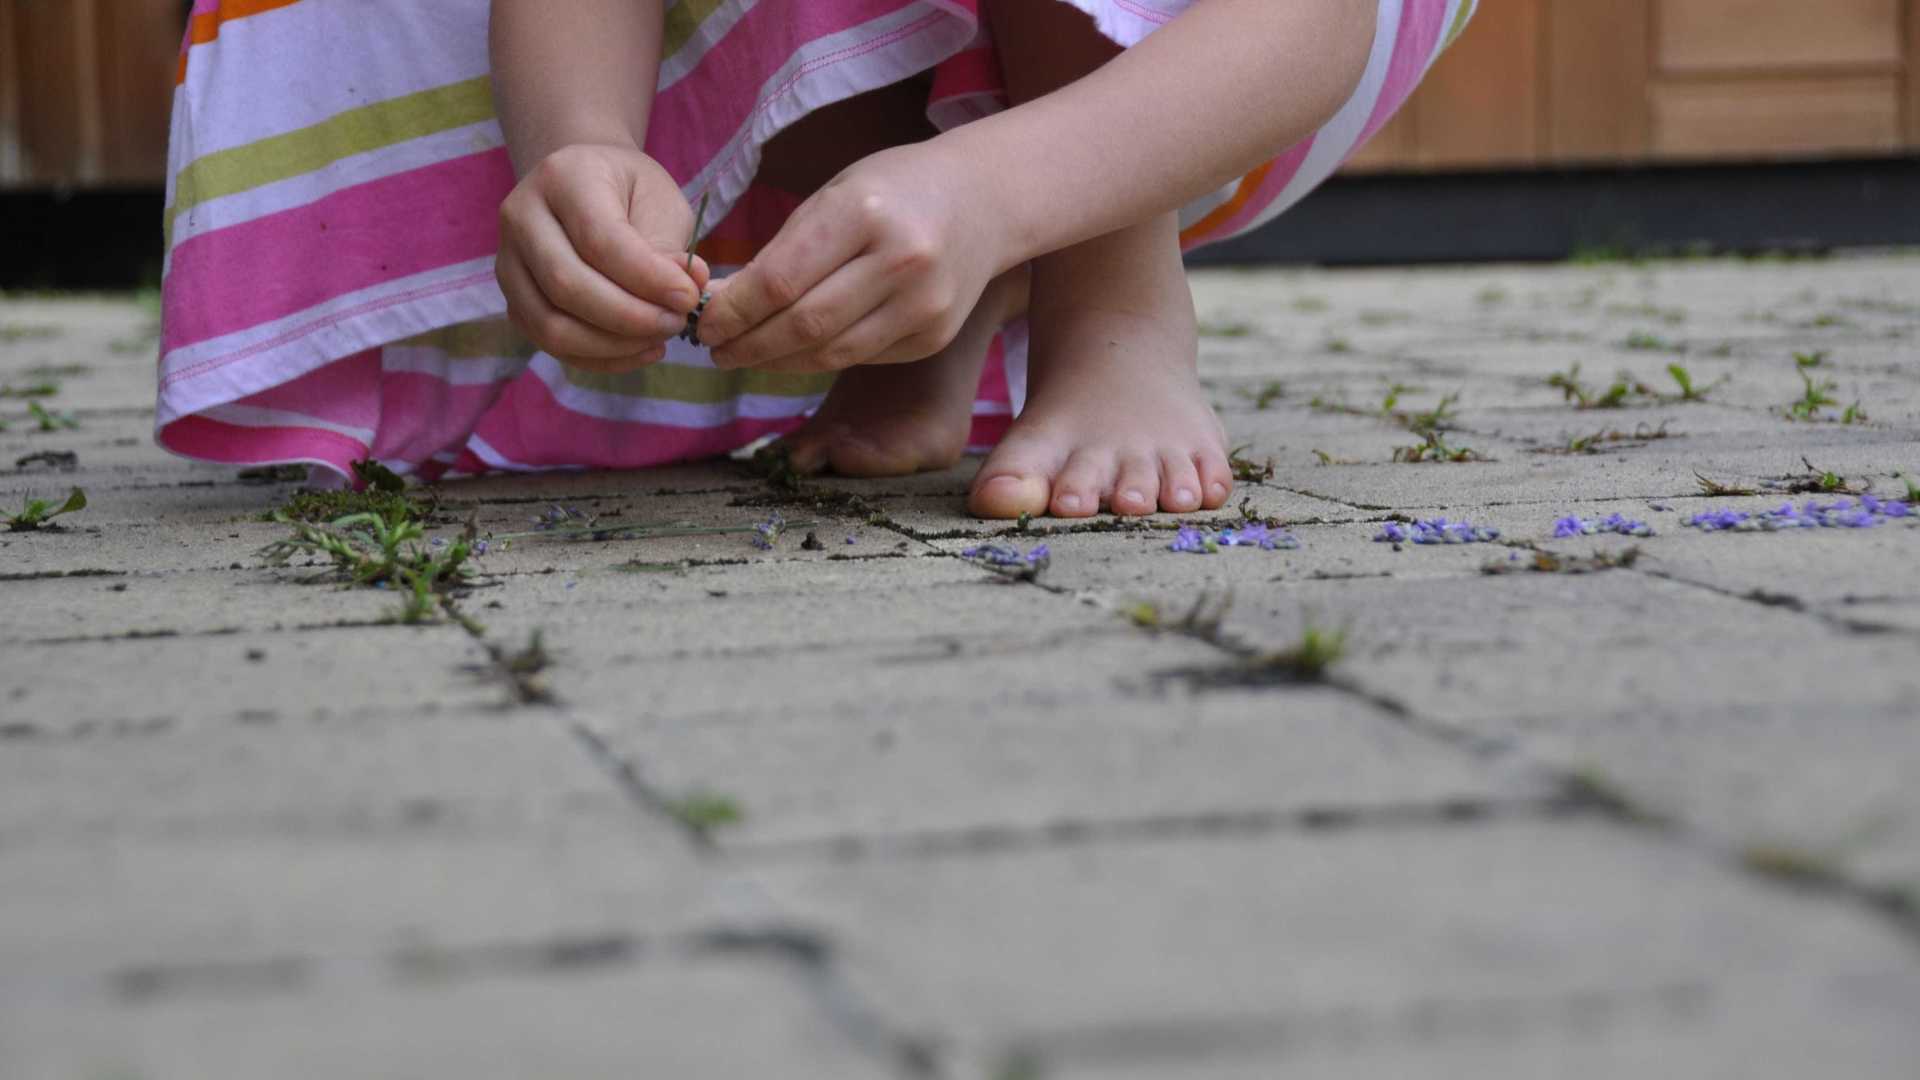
554 330
798 258
597 229
822 315
569 284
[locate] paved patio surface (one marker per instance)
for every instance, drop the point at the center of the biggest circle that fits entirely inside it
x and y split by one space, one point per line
1575 807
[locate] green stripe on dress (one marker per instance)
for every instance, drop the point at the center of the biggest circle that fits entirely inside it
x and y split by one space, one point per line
357 131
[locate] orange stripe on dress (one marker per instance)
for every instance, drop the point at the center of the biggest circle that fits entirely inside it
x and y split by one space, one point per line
205 27
1223 213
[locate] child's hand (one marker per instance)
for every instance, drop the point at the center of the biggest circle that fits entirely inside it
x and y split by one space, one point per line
881 266
592 258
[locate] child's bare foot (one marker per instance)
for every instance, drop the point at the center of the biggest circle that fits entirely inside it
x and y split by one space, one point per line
897 419
1115 415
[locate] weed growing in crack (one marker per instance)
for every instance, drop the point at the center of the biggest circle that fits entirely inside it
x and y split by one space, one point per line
1245 469
1226 329
1264 395
1641 341
368 550
523 671
1815 481
1547 562
30 390
37 514
1813 397
1599 440
48 420
320 507
1718 490
1688 390
705 811
1434 448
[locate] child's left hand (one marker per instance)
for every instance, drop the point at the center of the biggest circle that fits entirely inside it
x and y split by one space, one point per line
881 266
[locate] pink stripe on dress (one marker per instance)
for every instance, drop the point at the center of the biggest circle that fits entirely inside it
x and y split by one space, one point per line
212 440
300 258
1421 24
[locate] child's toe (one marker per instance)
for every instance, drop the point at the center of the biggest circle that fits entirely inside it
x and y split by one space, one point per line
1179 483
1137 491
1216 478
1007 496
1077 490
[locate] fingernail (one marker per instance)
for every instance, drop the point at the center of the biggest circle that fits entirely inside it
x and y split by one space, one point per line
1069 502
672 324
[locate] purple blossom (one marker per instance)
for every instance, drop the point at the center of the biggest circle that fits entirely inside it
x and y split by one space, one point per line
481 547
1007 557
1866 513
1575 525
765 533
557 516
1436 531
1194 541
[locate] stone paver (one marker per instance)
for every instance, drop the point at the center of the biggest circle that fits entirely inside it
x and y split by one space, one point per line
863 809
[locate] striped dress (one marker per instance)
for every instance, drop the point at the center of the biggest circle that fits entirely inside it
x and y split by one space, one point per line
332 213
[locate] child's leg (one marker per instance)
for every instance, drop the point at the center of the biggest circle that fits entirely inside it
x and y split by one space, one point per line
893 419
1114 414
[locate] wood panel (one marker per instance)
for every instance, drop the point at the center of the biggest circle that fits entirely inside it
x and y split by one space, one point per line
1913 74
1750 35
1597 67
12 163
139 51
59 129
1481 105
1761 118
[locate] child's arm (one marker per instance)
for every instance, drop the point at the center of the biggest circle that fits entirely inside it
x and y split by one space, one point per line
591 240
1208 96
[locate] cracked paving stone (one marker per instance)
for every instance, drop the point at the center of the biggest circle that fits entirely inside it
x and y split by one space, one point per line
1373 944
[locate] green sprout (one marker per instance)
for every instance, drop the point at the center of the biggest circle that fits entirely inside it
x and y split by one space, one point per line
1226 329
30 390
50 420
38 512
1813 398
1805 360
1854 414
1435 448
705 811
368 549
1265 395
1245 469
1306 661
1684 378
1641 341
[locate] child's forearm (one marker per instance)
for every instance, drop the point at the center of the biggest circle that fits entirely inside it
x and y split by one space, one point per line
577 71
1206 98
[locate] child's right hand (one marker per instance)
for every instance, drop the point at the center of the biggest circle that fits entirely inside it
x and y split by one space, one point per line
593 258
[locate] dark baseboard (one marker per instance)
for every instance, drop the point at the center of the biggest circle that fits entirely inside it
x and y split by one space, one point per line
1536 216
80 240
111 239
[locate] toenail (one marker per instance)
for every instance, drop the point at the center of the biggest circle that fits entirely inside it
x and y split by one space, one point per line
1184 495
1135 496
1220 489
1069 502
